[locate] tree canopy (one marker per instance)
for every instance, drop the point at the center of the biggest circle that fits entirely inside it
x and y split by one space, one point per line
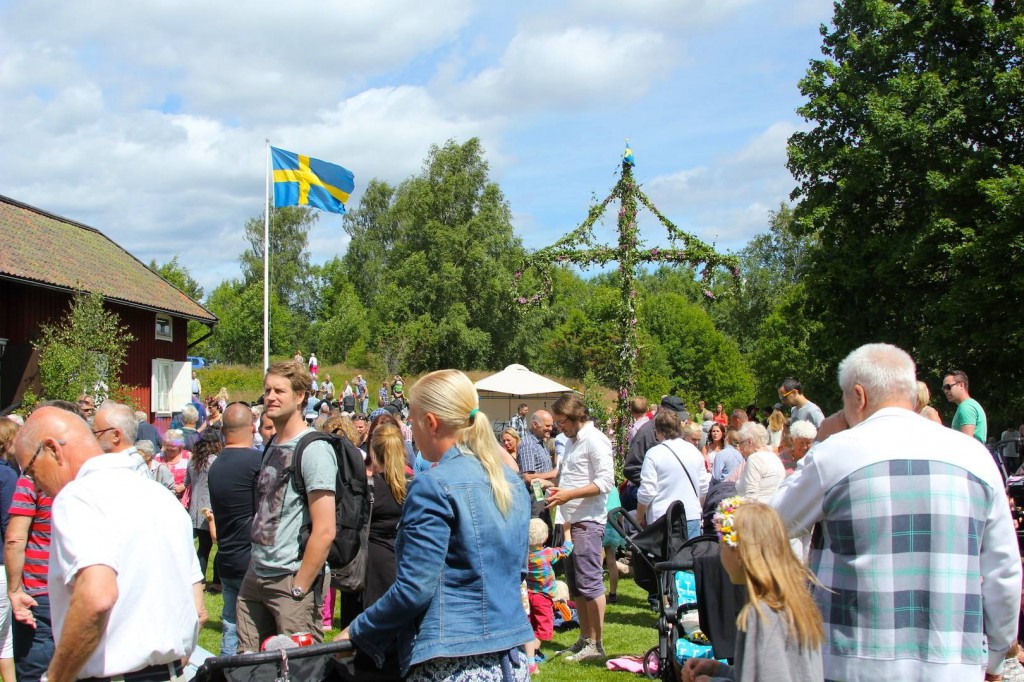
910 182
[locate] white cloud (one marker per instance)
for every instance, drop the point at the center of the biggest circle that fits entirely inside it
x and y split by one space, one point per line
728 200
675 14
256 61
568 69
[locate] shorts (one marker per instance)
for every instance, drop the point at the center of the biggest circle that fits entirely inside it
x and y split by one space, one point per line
542 616
584 571
6 615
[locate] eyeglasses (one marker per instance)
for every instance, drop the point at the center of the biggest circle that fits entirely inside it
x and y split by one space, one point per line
97 433
29 469
949 387
786 394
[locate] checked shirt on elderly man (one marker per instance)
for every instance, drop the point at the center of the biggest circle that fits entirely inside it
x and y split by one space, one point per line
914 549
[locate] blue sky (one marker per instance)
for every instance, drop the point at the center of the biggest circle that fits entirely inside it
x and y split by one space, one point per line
147 120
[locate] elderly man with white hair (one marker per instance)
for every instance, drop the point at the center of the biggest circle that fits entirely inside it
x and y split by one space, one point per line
762 468
911 517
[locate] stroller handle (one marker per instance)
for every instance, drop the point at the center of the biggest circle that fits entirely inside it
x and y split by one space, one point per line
617 517
666 566
221 662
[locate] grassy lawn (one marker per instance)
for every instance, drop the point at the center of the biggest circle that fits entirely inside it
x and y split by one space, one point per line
629 628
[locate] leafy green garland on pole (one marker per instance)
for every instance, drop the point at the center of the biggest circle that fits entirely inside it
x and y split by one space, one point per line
579 248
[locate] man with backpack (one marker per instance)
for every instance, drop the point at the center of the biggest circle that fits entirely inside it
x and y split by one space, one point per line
282 589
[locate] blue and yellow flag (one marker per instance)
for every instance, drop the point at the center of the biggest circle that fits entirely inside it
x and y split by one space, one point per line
627 156
302 181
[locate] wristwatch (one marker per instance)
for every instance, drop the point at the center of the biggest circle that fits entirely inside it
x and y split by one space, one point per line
298 593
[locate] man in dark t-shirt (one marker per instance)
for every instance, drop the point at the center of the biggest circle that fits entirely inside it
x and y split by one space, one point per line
233 500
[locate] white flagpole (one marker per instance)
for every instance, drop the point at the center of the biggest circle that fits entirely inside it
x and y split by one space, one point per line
266 268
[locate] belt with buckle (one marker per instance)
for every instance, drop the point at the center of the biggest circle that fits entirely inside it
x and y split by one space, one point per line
161 672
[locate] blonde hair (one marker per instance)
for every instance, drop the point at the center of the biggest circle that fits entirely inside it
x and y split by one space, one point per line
776 420
512 432
449 395
538 532
923 396
388 451
344 425
774 576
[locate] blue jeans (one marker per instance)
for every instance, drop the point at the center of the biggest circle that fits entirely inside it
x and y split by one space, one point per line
228 617
693 528
33 647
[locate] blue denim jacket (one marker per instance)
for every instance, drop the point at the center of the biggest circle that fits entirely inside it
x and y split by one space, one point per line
460 564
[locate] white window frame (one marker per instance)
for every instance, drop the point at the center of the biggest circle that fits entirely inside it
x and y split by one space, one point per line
169 334
170 387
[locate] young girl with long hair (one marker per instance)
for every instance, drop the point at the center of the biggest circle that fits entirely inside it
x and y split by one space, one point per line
780 628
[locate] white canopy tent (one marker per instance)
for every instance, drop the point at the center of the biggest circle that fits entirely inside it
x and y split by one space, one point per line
500 393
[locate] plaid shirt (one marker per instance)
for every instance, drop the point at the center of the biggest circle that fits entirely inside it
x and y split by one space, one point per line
540 576
912 515
532 456
520 425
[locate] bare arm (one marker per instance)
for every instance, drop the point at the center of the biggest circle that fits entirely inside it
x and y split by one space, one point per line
545 476
968 429
92 599
14 563
321 512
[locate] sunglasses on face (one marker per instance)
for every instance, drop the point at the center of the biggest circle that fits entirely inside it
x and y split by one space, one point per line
949 387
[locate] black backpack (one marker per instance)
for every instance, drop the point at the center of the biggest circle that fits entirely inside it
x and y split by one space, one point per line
353 500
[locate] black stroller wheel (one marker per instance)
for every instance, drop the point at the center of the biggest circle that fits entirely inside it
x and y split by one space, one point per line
652 663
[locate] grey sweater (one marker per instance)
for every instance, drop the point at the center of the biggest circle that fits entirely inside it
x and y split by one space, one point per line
763 654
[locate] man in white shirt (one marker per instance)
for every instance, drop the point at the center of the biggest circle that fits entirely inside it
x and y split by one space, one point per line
116 427
113 530
586 474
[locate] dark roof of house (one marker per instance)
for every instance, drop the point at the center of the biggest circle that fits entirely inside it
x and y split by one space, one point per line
48 250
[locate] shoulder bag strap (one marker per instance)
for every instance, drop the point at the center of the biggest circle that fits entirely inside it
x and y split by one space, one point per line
685 471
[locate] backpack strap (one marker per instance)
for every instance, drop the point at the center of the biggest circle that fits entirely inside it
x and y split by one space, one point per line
295 470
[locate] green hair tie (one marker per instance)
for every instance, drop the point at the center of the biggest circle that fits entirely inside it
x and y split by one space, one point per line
473 413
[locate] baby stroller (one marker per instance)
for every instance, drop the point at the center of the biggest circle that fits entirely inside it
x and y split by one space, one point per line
660 552
315 663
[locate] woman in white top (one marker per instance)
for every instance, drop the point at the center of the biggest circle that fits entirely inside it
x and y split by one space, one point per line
762 468
673 470
776 424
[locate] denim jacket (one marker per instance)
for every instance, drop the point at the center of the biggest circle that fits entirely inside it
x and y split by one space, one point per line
460 564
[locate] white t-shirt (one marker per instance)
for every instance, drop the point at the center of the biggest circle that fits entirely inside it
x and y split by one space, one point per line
111 516
762 475
663 481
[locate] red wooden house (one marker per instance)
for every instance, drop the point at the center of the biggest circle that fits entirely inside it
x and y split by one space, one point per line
44 259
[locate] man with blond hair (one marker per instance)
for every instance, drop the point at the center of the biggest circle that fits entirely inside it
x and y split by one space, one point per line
281 591
108 621
915 550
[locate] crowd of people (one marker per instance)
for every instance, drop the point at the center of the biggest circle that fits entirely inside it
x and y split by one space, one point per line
862 537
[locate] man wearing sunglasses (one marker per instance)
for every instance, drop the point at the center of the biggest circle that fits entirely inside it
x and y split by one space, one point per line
108 621
791 393
970 416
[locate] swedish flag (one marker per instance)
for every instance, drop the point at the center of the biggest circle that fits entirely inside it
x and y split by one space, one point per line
302 181
627 156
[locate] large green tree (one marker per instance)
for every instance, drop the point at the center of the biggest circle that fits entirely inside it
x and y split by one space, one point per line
239 334
433 262
911 177
767 316
289 255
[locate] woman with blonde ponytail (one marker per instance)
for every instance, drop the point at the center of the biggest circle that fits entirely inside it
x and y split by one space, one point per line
454 609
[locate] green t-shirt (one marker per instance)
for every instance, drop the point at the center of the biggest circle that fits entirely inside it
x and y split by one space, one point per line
970 412
280 511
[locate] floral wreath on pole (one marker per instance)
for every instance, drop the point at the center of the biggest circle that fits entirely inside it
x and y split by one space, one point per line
579 248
